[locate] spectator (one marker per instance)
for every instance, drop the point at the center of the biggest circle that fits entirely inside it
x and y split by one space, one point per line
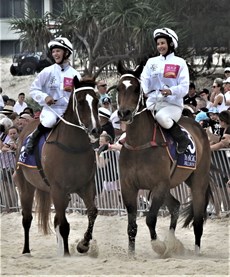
106 124
202 119
227 72
102 90
15 118
7 156
24 120
20 104
224 118
204 94
106 103
5 124
214 128
10 102
5 99
217 96
29 110
201 105
116 124
107 162
227 91
1 100
190 97
7 110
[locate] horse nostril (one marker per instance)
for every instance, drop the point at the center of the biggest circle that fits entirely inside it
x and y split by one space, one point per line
124 114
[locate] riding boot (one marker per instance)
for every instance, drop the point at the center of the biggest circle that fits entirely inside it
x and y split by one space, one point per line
180 137
34 138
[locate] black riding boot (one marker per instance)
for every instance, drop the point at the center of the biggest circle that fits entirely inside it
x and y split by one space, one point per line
180 137
35 137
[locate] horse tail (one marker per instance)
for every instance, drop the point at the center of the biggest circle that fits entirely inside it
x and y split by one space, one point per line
42 208
188 211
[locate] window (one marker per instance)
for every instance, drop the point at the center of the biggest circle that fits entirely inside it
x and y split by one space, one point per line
12 8
37 7
57 6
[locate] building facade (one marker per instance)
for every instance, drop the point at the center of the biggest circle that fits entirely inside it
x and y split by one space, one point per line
9 40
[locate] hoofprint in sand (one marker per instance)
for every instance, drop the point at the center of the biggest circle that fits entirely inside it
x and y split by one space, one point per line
108 253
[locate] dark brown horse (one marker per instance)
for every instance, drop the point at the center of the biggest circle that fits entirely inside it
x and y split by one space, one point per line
68 166
145 164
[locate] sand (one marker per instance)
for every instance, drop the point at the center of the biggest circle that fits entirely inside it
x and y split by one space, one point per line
110 241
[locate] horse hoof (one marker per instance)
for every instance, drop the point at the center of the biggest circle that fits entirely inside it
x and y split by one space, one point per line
82 248
158 246
197 250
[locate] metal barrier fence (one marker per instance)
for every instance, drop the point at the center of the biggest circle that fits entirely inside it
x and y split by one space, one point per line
108 197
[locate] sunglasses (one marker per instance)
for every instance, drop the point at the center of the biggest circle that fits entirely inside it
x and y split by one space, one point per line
214 86
103 85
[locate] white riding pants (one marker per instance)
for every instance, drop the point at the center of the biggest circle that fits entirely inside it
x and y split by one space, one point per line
48 118
167 115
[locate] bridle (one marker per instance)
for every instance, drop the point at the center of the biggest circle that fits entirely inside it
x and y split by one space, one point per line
80 125
140 102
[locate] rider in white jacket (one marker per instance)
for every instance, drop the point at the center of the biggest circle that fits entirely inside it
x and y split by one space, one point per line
165 81
52 88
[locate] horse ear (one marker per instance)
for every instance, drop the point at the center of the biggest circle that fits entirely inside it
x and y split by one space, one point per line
139 69
76 81
120 68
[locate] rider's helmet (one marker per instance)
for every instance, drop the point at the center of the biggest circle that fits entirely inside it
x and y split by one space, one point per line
63 43
167 33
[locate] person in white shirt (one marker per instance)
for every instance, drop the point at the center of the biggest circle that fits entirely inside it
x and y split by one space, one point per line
1 100
52 88
20 104
226 84
165 81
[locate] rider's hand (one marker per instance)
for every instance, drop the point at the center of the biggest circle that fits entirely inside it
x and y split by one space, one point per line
49 100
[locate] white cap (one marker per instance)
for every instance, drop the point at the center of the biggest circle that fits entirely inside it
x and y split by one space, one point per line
227 69
62 43
227 80
166 32
104 112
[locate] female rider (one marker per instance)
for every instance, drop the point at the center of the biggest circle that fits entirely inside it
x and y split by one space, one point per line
165 81
52 88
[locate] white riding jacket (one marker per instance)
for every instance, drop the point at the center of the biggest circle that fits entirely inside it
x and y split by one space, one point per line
165 72
55 82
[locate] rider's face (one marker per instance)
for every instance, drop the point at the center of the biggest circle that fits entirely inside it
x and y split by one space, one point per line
57 54
162 46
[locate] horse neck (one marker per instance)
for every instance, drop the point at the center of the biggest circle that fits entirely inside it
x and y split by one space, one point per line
140 131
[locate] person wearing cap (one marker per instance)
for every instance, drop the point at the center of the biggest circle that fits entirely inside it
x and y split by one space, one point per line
214 129
52 88
217 97
165 81
226 84
227 72
106 103
106 124
7 110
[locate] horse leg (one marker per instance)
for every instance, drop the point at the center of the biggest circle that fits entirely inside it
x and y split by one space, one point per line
158 196
173 206
130 202
61 224
26 191
88 198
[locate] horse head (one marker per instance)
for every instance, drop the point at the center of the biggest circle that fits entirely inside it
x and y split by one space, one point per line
84 107
129 96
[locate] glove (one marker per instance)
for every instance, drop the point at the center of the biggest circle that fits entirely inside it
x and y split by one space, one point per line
103 148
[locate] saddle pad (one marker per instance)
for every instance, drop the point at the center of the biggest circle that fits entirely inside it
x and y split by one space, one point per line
29 159
184 160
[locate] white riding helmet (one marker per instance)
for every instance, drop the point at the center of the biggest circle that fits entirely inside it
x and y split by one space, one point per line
166 32
61 42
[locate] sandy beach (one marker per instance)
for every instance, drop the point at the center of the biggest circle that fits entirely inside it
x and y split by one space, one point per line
110 242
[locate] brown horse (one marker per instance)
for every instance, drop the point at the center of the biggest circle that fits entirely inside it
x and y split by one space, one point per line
67 166
145 164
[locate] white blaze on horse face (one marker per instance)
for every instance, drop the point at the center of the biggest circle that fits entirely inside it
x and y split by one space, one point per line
89 99
127 83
